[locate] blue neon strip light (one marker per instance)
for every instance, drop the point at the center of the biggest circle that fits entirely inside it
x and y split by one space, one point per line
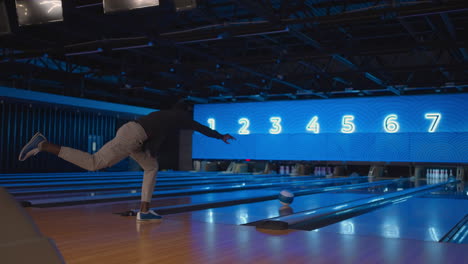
72 101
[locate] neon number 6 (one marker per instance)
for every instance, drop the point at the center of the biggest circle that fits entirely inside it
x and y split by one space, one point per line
348 126
390 124
244 130
276 125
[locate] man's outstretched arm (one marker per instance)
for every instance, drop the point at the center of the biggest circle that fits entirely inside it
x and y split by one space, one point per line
227 137
210 132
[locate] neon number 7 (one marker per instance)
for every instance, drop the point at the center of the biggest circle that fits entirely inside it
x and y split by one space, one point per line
435 121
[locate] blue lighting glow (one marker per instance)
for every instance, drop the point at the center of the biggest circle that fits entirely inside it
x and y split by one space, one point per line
347 227
72 101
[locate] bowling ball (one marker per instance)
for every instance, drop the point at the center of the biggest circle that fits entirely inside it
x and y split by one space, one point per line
286 197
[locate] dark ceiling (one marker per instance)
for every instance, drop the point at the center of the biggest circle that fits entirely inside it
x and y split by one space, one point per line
242 50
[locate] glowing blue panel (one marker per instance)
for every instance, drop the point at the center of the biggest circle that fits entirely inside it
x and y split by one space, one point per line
72 101
427 128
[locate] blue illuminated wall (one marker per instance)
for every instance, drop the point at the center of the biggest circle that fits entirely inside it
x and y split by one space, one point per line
428 128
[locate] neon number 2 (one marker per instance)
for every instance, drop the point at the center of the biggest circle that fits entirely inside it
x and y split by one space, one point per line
244 130
313 125
435 121
212 123
348 126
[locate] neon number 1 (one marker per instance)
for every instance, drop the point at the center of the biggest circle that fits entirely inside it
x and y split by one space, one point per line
244 130
435 121
212 123
313 125
276 125
348 126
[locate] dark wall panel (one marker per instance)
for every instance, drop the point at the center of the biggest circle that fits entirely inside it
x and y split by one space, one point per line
66 126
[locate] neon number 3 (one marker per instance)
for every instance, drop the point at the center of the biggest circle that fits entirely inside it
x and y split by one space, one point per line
244 130
211 122
390 124
348 126
435 121
313 125
276 125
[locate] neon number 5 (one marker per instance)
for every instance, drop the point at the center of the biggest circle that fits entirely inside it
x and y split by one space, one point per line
313 125
348 126
390 124
244 130
212 123
276 125
435 121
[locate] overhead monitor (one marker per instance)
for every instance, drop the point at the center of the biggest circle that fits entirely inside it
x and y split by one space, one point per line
125 5
4 22
38 11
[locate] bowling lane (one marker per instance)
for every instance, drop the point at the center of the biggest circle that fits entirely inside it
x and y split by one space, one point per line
65 198
427 219
124 190
204 197
246 213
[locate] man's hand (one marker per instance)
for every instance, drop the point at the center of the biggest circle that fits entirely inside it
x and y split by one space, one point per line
227 137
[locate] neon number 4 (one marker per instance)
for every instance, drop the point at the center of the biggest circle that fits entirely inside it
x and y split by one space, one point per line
313 125
212 123
435 121
348 126
390 124
276 129
244 130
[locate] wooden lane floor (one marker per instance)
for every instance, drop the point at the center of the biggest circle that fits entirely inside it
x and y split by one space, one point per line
92 234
